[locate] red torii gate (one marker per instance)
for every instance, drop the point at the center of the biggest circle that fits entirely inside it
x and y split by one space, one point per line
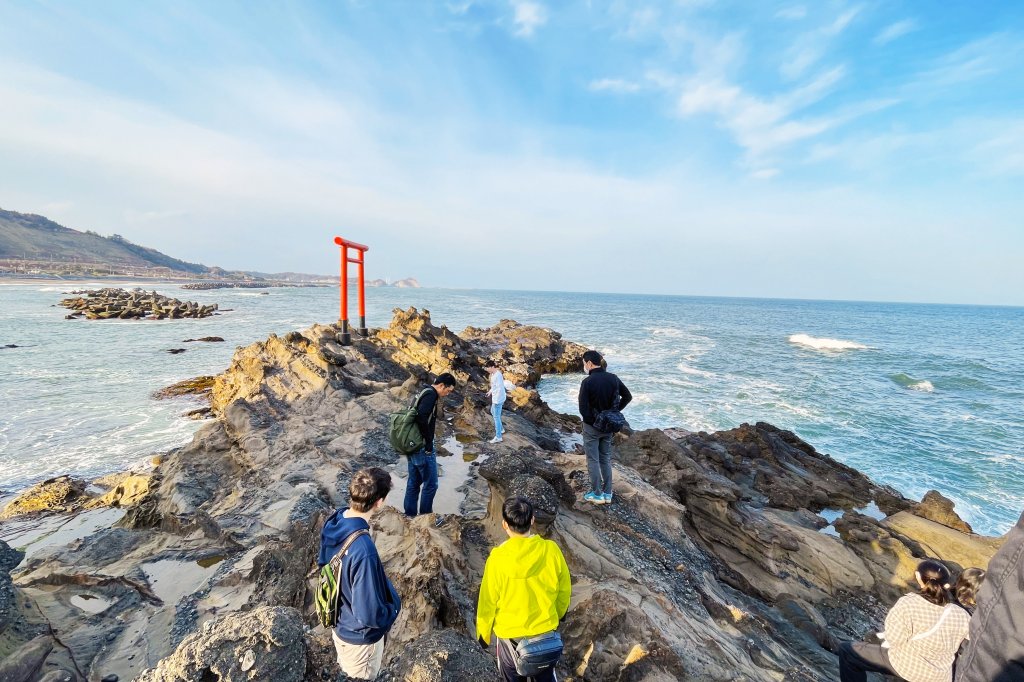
346 337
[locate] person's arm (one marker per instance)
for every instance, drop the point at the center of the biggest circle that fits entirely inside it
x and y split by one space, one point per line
564 586
372 598
624 395
898 626
487 603
584 400
424 411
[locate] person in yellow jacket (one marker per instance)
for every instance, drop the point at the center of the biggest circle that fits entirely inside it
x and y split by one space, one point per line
525 590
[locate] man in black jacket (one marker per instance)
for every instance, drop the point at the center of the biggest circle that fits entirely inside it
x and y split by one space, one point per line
600 391
995 650
423 463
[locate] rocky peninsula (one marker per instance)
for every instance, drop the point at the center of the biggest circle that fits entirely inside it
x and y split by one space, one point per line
106 304
717 560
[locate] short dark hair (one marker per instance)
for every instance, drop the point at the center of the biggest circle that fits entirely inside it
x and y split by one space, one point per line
490 363
593 357
367 487
518 514
447 379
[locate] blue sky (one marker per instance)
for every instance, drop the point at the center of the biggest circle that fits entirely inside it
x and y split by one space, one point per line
838 150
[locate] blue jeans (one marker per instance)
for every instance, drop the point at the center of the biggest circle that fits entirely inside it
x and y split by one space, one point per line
598 447
422 472
496 413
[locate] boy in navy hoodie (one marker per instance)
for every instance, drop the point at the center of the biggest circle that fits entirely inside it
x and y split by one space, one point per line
368 604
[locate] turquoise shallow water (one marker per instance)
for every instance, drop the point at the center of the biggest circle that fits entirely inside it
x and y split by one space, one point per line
916 396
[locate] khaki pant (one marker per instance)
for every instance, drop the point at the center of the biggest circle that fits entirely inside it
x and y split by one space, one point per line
359 661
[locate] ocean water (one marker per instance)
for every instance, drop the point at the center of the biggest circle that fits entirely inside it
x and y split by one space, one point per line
916 396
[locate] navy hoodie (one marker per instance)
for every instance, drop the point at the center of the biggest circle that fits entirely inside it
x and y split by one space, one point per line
369 603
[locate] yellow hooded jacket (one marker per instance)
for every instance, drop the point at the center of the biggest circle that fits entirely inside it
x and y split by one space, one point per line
525 589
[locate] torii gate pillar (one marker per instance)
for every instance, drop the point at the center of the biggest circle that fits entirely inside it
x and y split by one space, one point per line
346 336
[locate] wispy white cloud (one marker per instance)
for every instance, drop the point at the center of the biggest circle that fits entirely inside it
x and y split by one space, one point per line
765 173
895 30
528 17
614 85
792 13
810 47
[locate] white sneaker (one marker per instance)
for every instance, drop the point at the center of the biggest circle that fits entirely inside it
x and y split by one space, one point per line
496 439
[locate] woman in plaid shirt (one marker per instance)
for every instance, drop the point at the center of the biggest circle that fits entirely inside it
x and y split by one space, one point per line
923 632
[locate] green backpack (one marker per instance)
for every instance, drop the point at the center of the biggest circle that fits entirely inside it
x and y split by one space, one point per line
328 592
403 432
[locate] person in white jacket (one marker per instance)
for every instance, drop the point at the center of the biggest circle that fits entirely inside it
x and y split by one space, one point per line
498 395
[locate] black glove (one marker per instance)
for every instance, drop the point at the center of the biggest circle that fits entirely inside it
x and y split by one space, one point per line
481 642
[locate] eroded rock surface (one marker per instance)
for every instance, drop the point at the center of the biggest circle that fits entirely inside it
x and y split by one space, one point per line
710 563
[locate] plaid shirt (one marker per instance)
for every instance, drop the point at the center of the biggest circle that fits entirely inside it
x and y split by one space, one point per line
923 638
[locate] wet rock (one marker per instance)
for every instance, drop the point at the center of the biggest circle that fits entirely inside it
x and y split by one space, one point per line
206 339
24 663
9 345
176 351
440 656
199 413
9 558
936 507
197 386
57 676
271 636
54 495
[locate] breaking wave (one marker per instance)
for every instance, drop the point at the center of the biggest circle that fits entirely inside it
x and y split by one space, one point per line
913 384
825 344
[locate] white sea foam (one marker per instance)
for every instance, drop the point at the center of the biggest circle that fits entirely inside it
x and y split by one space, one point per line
924 386
825 344
686 369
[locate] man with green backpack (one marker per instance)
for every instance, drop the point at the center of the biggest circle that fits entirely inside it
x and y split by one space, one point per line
418 444
355 597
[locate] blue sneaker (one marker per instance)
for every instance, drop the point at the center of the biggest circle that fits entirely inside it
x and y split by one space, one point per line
596 498
606 498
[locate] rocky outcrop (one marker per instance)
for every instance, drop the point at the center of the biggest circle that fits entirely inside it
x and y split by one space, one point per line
710 563
200 386
266 643
206 339
525 353
440 656
59 494
106 304
936 507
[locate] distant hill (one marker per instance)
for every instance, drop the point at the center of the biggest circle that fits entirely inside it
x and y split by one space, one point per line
34 244
26 236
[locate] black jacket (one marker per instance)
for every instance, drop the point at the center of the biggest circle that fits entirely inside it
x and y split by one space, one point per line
598 392
426 416
995 651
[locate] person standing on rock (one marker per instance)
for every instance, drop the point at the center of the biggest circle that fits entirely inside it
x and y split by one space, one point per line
498 395
368 603
524 593
923 632
995 651
422 484
600 391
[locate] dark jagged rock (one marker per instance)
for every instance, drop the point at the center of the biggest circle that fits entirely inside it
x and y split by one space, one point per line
440 656
25 662
266 643
176 351
206 339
